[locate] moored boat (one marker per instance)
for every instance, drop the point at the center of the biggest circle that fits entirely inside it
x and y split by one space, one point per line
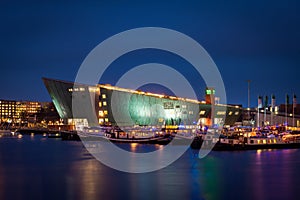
289 140
128 136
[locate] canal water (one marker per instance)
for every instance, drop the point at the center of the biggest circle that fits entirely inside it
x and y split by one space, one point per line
41 168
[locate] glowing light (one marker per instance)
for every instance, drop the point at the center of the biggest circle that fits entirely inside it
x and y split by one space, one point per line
221 113
101 114
264 141
133 146
94 89
258 151
202 112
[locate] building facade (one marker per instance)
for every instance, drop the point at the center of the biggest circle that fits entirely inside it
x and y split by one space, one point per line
24 112
277 115
114 106
8 110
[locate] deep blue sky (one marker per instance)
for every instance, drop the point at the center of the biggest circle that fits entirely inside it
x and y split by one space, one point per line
257 40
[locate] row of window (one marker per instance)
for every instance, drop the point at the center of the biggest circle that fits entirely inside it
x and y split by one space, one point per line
102 120
7 109
30 104
81 89
20 108
104 103
236 113
103 113
202 112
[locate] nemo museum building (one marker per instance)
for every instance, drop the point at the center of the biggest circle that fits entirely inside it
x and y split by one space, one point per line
114 106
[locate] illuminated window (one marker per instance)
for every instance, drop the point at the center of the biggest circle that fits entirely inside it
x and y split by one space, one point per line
230 113
183 106
101 121
236 113
202 112
209 92
106 119
191 112
104 103
103 96
93 89
264 141
105 112
221 113
100 104
101 113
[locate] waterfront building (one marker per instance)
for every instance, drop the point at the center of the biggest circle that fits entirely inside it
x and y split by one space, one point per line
276 115
26 112
7 111
135 107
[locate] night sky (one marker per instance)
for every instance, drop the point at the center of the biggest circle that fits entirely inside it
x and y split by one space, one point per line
257 40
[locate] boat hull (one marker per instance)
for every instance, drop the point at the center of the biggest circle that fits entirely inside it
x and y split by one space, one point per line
197 144
152 140
240 147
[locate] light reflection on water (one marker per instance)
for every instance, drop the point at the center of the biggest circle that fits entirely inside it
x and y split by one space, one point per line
273 172
139 148
37 168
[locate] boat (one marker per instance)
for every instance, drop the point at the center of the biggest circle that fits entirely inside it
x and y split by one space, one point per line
9 133
5 133
281 141
118 135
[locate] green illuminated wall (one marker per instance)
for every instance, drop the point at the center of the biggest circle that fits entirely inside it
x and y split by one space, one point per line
150 110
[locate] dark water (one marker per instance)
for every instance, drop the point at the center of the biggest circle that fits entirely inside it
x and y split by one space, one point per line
41 168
